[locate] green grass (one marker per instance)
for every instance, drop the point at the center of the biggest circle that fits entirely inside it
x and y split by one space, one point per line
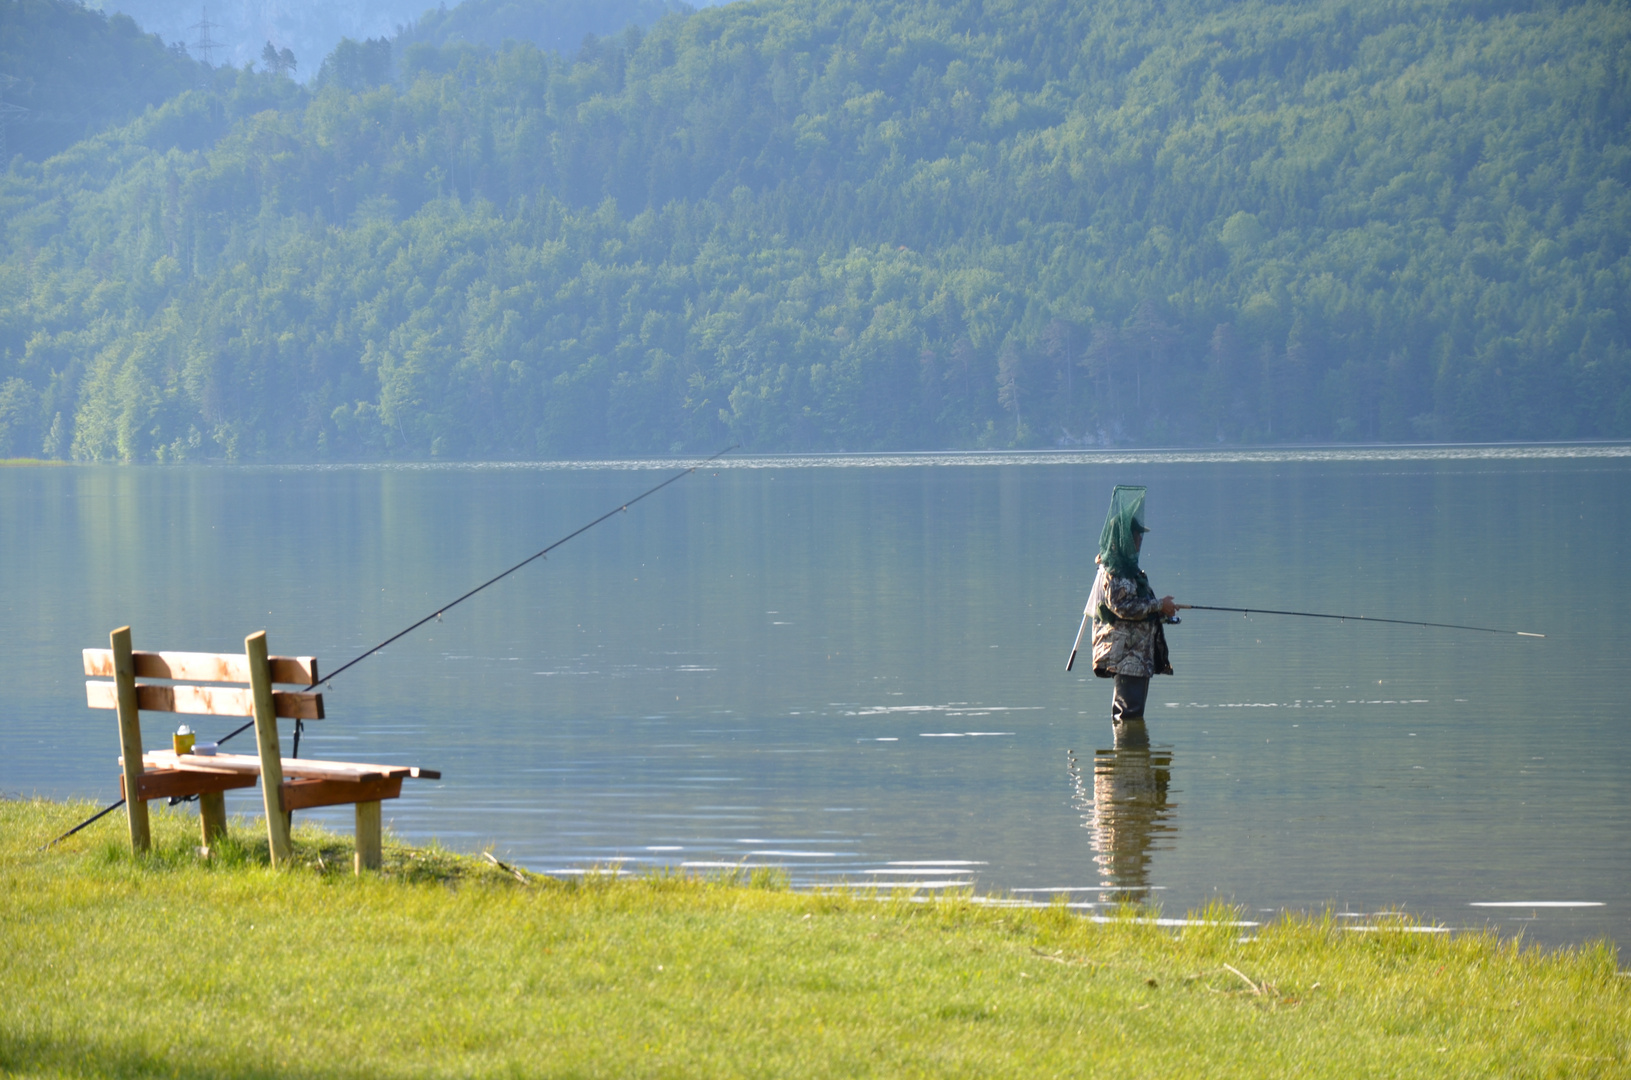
444 965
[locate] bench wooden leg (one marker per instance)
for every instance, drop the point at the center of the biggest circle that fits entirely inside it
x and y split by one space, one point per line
212 817
369 855
266 743
140 832
130 738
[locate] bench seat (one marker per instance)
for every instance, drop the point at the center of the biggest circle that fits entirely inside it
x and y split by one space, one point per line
307 784
305 768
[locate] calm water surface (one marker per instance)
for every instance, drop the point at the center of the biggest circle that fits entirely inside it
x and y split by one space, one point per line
854 668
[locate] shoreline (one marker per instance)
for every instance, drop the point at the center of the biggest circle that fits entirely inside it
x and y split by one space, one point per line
1397 918
1232 453
446 964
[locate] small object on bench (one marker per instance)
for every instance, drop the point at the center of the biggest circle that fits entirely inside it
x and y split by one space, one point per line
201 769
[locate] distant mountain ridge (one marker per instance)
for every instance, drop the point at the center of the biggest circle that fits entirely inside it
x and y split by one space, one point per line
242 27
67 72
311 31
558 25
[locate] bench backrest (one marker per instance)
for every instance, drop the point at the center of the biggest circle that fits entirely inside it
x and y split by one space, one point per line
179 667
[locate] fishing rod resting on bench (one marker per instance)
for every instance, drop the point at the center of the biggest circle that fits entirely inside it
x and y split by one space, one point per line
437 614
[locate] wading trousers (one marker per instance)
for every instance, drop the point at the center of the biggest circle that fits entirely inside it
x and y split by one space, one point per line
1128 703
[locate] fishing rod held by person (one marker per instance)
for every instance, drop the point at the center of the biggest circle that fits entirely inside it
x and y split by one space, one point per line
1357 618
1087 617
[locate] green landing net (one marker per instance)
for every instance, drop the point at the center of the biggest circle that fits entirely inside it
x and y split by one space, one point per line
1118 548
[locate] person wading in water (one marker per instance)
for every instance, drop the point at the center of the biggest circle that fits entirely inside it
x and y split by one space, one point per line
1129 644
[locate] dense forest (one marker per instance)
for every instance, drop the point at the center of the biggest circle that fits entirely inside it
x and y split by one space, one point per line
849 224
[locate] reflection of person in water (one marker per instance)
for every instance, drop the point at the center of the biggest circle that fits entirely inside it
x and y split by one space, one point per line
1126 809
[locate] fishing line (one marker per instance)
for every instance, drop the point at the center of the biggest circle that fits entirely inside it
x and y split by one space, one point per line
1357 618
437 614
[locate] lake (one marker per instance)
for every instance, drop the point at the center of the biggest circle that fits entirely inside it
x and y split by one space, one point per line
854 667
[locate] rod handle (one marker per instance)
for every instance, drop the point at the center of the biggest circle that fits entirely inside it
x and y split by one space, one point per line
1087 615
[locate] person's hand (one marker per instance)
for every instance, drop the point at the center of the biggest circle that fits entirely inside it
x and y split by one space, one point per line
1169 607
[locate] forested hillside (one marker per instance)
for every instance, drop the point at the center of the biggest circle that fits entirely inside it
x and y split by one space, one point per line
855 224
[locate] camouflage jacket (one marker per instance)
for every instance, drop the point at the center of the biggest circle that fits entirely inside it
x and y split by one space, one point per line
1130 641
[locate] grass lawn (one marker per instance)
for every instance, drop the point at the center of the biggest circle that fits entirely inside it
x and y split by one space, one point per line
444 965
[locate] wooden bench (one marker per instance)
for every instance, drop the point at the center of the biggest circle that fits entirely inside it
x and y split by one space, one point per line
287 784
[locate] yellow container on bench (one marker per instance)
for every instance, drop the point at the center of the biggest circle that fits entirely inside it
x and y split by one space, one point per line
183 740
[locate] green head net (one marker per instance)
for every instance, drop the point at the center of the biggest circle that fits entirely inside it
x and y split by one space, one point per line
1117 547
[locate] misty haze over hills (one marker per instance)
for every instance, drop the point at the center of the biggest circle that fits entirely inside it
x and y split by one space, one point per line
312 29
68 70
